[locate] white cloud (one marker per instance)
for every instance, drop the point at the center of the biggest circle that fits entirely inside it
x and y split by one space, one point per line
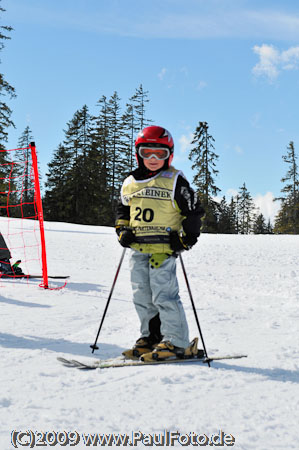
290 58
256 120
267 206
185 142
238 149
269 59
272 61
162 73
184 70
201 85
265 203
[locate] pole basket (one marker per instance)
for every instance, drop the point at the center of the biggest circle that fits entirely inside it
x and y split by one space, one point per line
22 234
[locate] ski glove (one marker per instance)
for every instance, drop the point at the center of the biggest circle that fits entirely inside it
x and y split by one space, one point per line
179 243
126 237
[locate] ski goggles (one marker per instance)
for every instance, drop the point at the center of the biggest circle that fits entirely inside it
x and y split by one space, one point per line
160 153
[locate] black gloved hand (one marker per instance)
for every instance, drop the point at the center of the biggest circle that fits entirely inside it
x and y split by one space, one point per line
179 243
126 237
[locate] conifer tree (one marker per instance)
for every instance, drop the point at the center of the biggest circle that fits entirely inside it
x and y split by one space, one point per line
234 214
21 180
225 223
246 211
134 119
139 100
117 153
130 131
68 174
6 91
78 142
259 225
101 138
101 130
24 158
57 200
269 227
204 163
26 138
287 220
88 168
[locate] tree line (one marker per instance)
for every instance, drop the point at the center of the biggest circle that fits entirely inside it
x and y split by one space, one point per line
87 169
240 215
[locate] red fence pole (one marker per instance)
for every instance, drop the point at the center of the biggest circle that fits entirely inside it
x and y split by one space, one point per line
40 215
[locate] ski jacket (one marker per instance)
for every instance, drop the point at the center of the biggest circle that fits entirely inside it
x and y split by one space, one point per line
154 206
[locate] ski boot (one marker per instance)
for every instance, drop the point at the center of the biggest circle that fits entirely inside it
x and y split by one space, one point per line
192 350
163 351
7 270
143 345
146 344
166 350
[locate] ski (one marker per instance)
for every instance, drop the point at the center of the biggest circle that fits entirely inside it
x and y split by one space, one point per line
54 277
18 262
121 362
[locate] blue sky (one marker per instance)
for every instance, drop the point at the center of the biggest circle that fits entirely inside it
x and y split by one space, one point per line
231 63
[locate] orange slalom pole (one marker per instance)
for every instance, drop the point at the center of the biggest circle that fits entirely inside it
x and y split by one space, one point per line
40 215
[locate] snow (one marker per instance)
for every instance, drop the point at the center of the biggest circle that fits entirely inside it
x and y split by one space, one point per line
246 293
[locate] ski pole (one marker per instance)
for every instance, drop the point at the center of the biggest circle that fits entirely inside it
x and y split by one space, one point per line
94 346
194 310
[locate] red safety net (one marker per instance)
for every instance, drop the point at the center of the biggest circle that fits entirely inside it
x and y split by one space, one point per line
21 215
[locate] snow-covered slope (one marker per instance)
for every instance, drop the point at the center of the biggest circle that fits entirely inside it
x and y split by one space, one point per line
247 297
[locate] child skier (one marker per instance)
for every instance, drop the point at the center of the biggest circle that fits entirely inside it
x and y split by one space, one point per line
158 216
6 269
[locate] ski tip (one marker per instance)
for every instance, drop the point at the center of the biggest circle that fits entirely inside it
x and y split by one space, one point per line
73 363
65 362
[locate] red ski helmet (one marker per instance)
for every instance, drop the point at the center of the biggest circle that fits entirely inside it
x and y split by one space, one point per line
155 136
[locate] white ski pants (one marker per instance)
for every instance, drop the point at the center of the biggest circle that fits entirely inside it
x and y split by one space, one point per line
157 291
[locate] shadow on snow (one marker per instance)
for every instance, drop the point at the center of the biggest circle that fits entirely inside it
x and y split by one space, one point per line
275 374
83 287
11 301
57 345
